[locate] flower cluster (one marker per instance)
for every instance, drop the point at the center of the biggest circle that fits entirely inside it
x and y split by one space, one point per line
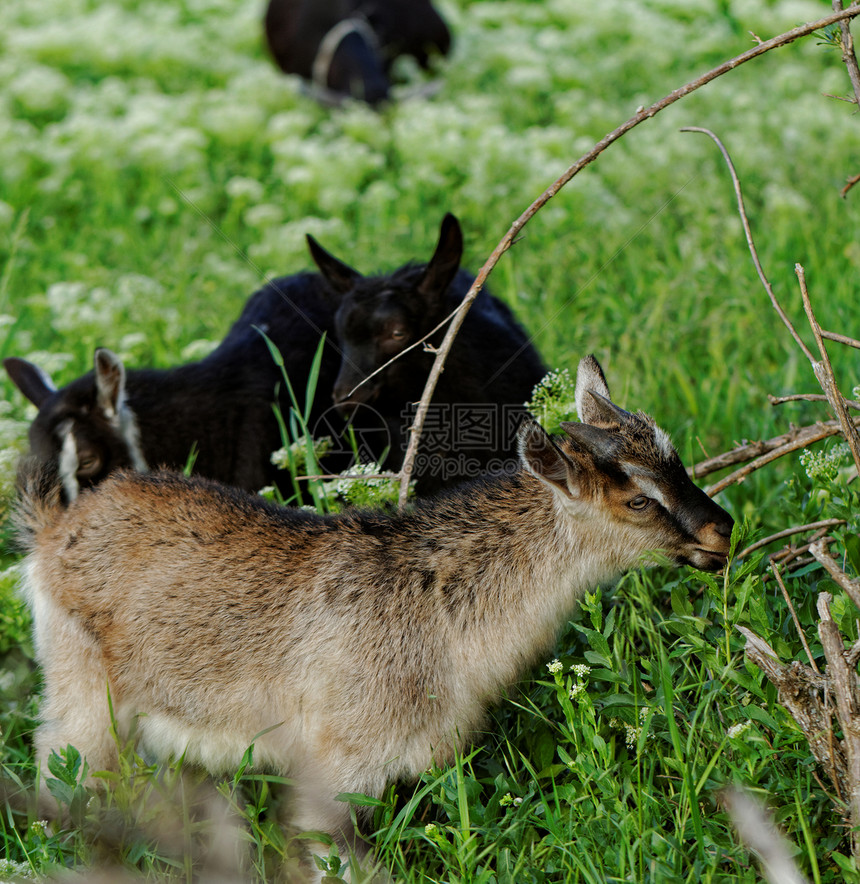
631 732
823 466
553 399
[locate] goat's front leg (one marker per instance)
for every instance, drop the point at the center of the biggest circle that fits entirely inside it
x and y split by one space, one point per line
76 706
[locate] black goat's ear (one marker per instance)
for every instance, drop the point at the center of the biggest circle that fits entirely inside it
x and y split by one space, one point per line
341 277
443 266
110 381
31 380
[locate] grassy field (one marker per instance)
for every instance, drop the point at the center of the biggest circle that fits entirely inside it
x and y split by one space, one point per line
155 169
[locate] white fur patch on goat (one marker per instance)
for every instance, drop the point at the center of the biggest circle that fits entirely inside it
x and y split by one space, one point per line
130 432
68 463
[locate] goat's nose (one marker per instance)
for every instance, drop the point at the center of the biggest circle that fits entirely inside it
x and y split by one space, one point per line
715 535
724 528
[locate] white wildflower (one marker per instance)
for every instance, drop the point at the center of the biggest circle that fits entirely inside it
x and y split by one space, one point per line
577 690
737 729
555 666
580 670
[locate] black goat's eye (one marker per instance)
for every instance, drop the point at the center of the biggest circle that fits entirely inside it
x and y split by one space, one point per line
639 503
398 334
88 466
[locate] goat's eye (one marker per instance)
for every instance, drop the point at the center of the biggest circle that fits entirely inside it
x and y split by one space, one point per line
639 503
398 334
87 466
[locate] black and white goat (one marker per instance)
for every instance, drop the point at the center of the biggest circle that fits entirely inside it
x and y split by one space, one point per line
345 48
220 408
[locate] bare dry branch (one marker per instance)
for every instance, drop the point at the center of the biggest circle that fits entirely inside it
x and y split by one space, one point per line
824 374
750 243
797 625
846 44
808 397
789 532
846 689
801 691
851 587
802 436
814 433
505 243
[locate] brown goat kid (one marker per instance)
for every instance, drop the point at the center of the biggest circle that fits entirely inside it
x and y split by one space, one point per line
367 645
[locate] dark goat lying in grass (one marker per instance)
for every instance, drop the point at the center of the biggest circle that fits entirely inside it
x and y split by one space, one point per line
345 48
353 650
221 406
491 371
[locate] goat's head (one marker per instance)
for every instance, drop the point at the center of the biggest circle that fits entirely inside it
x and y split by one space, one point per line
620 471
377 317
86 428
408 27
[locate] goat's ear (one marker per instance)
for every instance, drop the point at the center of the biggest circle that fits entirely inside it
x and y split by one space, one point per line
341 277
598 443
594 405
443 266
110 381
543 458
31 380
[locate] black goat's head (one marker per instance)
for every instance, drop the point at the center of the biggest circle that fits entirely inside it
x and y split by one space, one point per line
377 317
86 428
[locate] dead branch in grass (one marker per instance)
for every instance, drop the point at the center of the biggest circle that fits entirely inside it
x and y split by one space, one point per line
508 239
796 437
804 438
789 532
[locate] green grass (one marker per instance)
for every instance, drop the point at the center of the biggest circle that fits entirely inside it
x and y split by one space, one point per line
155 169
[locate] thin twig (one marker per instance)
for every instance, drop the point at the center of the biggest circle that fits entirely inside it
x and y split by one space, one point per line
808 397
788 532
748 232
349 478
505 243
854 179
841 339
404 351
824 374
797 625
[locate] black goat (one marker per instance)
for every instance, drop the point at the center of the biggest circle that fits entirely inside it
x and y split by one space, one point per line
222 406
490 373
345 48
